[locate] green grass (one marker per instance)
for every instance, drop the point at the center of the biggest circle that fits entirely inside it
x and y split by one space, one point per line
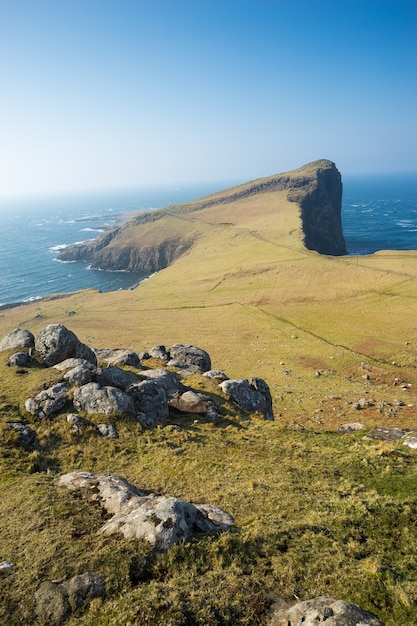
315 512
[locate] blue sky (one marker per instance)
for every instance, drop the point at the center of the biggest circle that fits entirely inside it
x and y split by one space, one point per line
100 94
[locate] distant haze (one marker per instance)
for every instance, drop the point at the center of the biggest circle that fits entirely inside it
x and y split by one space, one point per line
107 94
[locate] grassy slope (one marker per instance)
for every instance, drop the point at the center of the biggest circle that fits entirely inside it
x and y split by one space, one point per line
317 512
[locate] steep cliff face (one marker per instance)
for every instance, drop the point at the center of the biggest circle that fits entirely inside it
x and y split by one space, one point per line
320 200
153 240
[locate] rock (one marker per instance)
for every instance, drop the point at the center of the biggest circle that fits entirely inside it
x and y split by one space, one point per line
216 375
70 364
55 343
6 567
350 427
21 359
253 396
186 355
78 423
107 430
114 376
28 439
193 402
160 520
386 434
92 398
52 603
85 587
120 356
78 376
159 352
56 601
325 610
17 339
48 402
411 442
150 402
165 379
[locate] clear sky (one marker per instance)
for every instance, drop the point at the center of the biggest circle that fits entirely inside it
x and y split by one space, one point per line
99 94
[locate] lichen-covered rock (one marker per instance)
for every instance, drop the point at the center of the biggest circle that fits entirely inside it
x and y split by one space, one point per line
107 430
216 375
118 356
114 376
410 441
56 601
48 402
17 339
159 352
186 355
160 520
92 398
386 434
69 364
163 378
150 402
55 343
253 395
78 376
193 402
78 423
20 359
325 610
28 439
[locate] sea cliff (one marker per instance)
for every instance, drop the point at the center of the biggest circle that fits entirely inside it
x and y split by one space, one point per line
148 243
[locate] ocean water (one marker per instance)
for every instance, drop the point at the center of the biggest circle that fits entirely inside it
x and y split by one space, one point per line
378 213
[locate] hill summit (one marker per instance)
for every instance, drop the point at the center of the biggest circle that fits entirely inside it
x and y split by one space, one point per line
154 239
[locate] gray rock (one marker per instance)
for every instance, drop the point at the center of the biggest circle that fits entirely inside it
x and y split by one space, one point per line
159 352
78 376
17 339
160 520
6 567
120 356
114 376
56 601
411 442
150 402
48 402
52 603
193 402
386 434
78 423
190 356
350 427
55 343
252 396
28 439
21 359
69 364
325 610
92 398
165 379
216 375
107 430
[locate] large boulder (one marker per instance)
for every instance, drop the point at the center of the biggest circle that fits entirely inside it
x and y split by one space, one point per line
160 520
150 402
252 396
92 398
48 402
164 378
79 376
114 376
21 359
323 610
55 343
183 355
17 339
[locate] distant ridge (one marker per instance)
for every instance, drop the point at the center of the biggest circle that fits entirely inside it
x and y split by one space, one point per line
151 241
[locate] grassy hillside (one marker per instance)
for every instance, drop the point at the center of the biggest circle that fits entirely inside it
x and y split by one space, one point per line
316 512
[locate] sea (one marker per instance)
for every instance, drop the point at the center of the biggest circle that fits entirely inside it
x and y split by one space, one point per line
378 213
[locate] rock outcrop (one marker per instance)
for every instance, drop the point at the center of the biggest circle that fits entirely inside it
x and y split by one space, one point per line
316 188
160 520
326 610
